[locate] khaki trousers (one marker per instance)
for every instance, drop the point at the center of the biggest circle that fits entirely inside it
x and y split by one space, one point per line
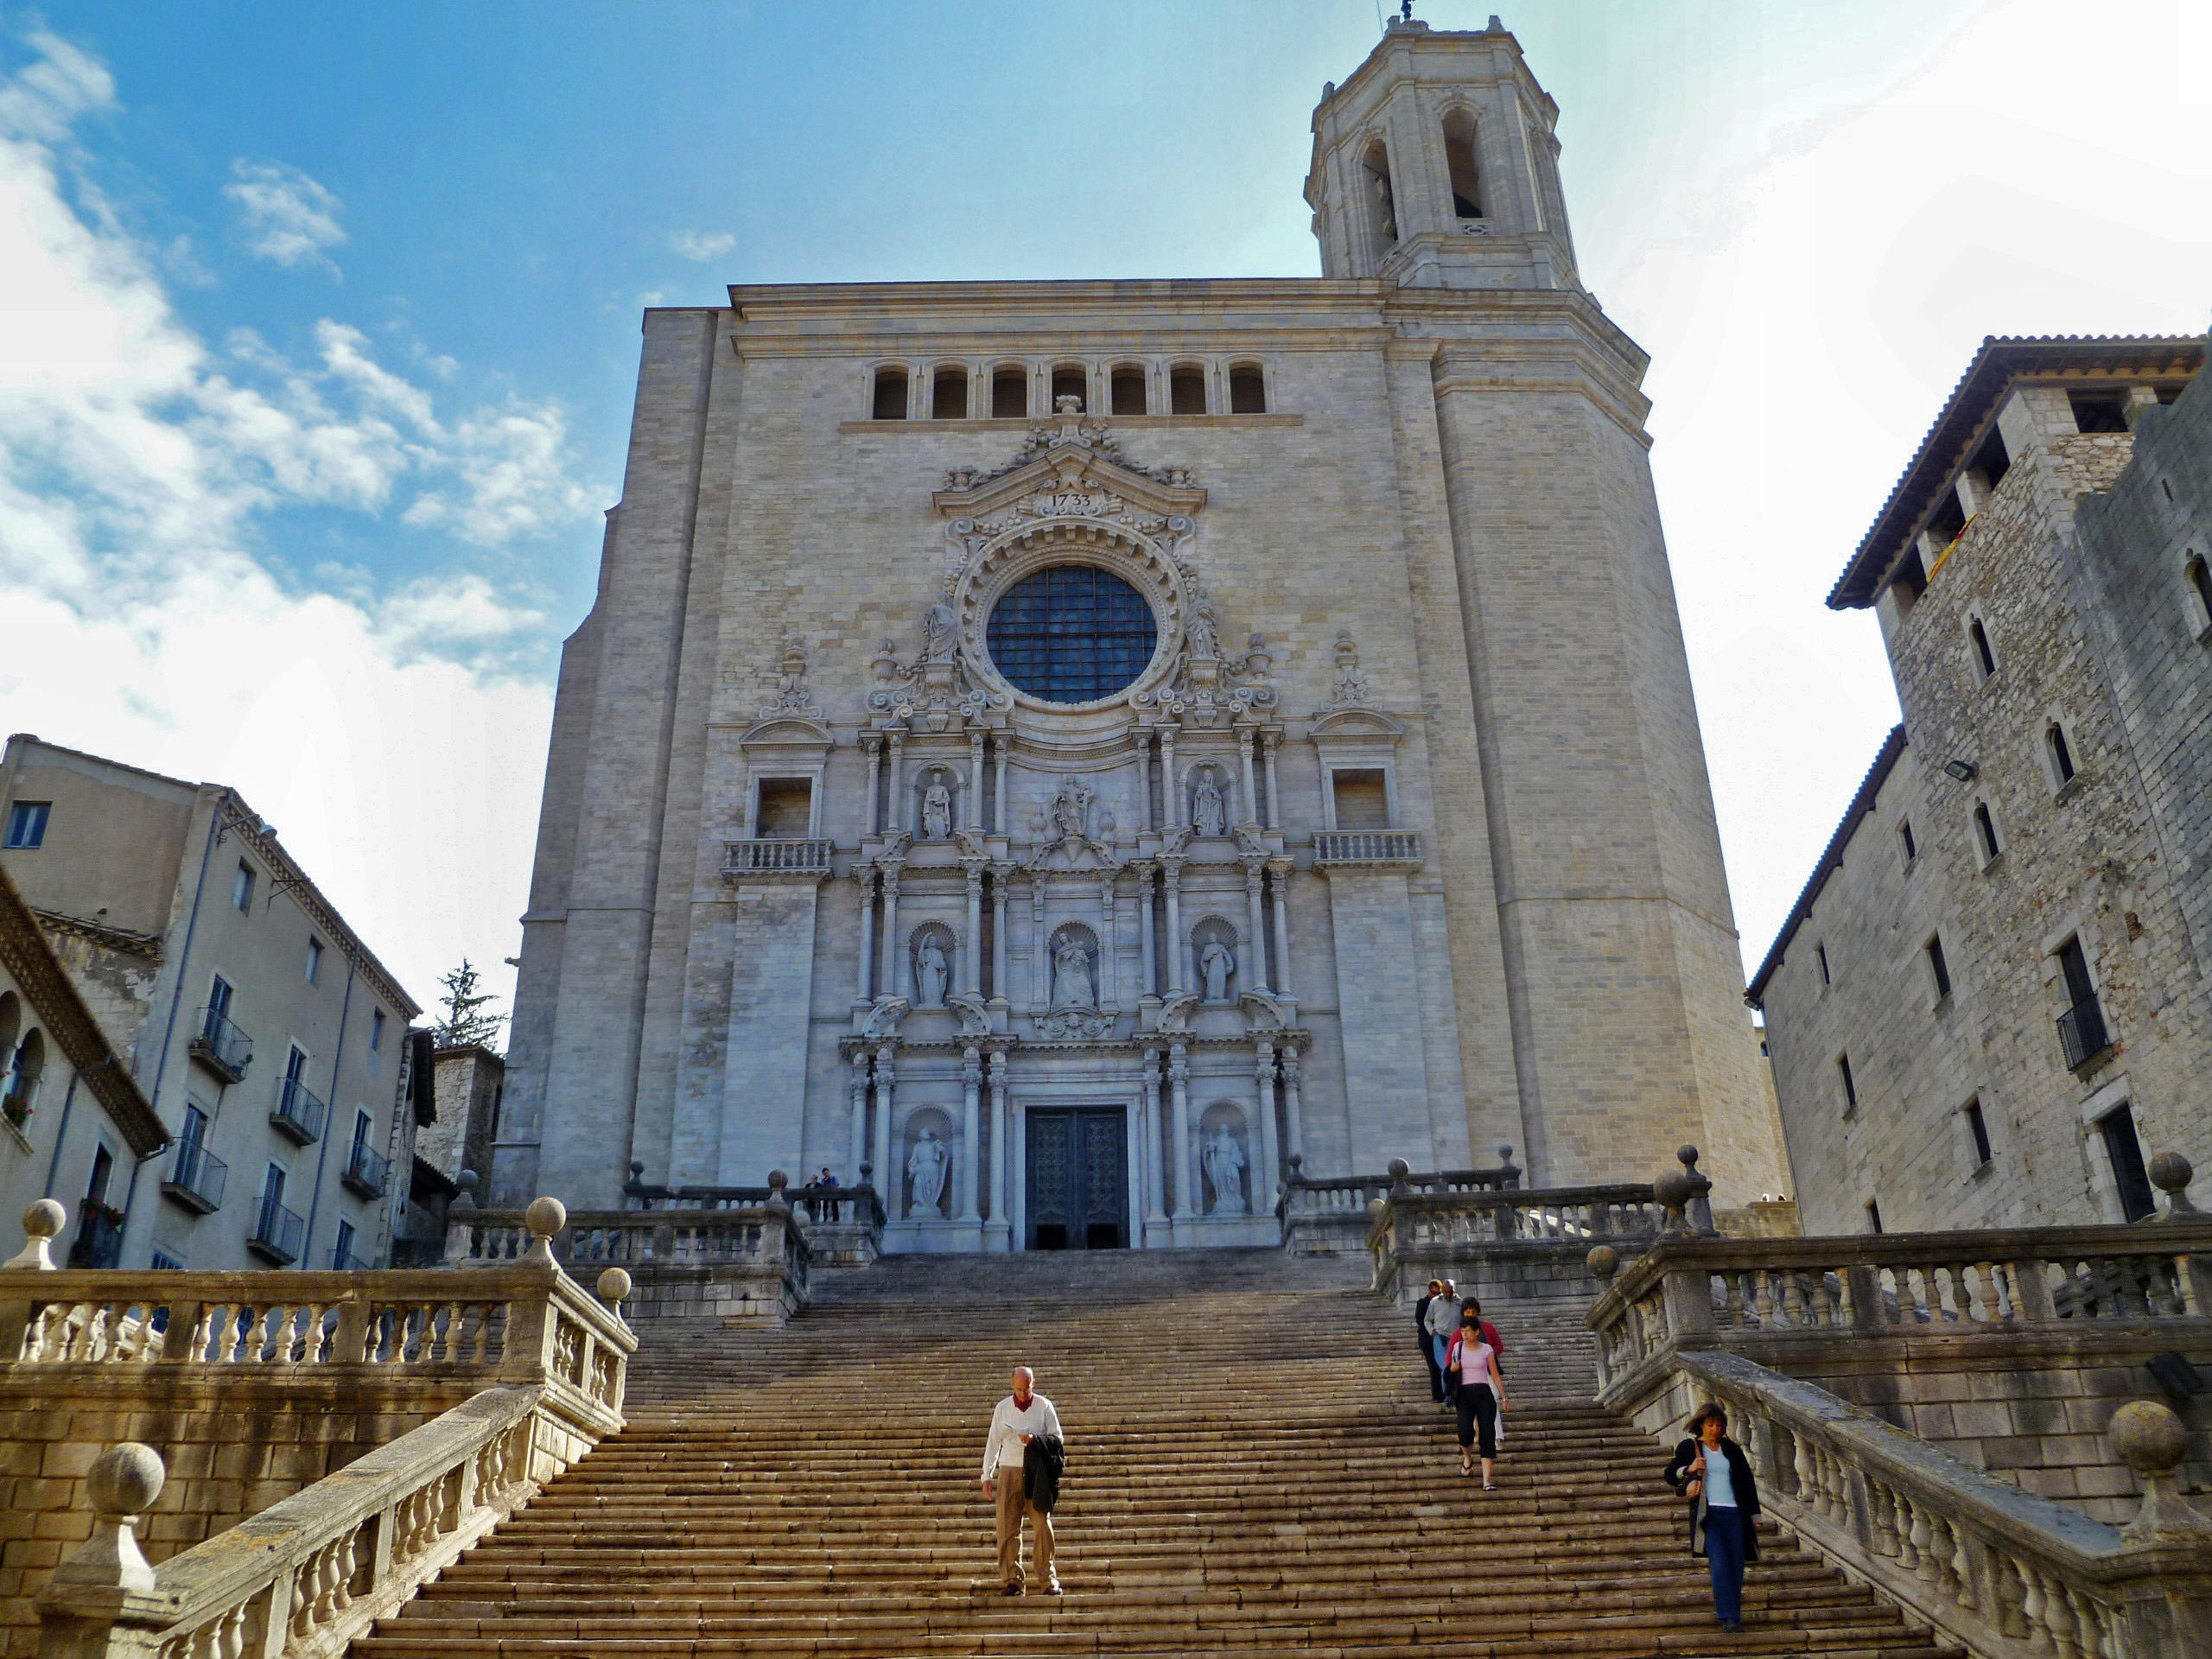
1012 1506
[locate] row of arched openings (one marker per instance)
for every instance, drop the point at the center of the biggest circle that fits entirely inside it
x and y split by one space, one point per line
955 396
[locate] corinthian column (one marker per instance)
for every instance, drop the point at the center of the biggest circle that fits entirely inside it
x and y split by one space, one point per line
887 1183
1171 791
1259 933
1155 1210
1002 878
1263 1074
1002 1173
971 958
1171 872
1294 1130
889 977
1001 747
1178 1081
874 818
1274 741
859 1091
1280 869
897 803
971 1139
1244 754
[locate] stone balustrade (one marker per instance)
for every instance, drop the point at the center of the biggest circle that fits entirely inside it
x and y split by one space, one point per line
1331 1216
545 1365
2003 1572
731 1263
1519 1241
796 857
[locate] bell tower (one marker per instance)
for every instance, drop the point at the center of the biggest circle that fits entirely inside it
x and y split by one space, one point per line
1436 166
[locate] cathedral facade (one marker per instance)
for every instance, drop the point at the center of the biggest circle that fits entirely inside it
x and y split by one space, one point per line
1081 753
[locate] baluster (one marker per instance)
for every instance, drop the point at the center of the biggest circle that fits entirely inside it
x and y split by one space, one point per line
1808 1489
1823 1301
1731 1301
1961 1575
1882 1504
2032 1600
2095 1620
1792 1299
2058 1614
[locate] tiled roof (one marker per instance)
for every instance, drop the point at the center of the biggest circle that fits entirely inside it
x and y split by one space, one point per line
2002 358
1831 858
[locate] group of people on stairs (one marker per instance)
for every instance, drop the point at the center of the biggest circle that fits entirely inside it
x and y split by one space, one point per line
1462 1350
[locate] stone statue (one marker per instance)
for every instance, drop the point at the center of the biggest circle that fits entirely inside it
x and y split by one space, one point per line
1106 823
1072 808
926 1166
931 972
936 811
1390 207
1215 963
1207 810
1205 633
1071 975
937 633
1224 1161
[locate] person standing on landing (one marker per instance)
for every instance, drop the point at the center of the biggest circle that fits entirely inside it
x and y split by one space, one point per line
1022 1418
1481 1391
1711 1471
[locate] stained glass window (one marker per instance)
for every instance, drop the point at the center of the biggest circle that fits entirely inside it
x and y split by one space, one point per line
1072 633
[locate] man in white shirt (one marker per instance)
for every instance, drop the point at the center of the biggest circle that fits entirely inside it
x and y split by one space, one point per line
1023 1416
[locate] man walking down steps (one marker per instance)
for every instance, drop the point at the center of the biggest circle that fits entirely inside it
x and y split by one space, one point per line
1023 1417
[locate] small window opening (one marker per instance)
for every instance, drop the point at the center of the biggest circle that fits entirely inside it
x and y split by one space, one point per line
1985 660
1979 1129
2074 968
1363 800
1009 395
2062 756
1992 460
26 823
1904 835
1375 176
1248 390
2167 488
949 395
1850 1088
786 811
242 888
1985 830
1910 579
890 394
1873 1216
1128 390
1948 519
1821 952
2117 1127
1459 163
1186 391
1069 383
2200 583
1937 967
376 1030
315 960
2098 411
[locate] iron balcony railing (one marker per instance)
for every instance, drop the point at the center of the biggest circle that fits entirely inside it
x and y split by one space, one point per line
99 1239
2082 1032
277 1232
196 1178
221 1046
300 1112
344 1260
365 1170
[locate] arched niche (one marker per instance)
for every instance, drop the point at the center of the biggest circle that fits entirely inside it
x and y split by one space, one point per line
938 788
1074 978
1207 933
1210 803
927 1149
1224 1160
932 955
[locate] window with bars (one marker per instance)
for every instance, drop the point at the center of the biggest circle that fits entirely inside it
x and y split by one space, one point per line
1072 633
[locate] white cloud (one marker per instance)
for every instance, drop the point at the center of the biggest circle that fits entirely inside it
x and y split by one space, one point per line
702 245
287 217
384 730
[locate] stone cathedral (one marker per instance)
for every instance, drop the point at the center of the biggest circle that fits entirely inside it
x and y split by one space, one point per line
1080 754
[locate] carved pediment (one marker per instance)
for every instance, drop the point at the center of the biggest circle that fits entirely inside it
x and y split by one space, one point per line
1070 468
788 732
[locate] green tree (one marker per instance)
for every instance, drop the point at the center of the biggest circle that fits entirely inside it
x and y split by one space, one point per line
465 1019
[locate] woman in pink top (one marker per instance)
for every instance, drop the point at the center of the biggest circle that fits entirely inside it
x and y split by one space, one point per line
1482 1391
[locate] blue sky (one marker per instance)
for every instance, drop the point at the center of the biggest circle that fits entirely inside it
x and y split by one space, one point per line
318 328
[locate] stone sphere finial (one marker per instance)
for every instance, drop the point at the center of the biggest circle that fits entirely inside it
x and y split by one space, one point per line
2150 1439
613 1285
1686 1156
1398 1169
637 1168
1375 1207
777 1180
42 1221
1672 1190
2171 1173
1297 1163
125 1480
1603 1260
466 1199
867 1172
544 1218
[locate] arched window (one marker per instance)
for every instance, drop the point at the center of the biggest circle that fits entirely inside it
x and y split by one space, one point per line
1187 389
1009 394
2061 754
1984 832
890 395
1459 161
1128 389
1985 660
2200 588
19 1088
1248 390
949 395
1383 203
1070 381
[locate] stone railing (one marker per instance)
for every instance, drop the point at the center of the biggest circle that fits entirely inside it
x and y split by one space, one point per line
1755 1295
844 1224
1331 1217
307 1575
2005 1573
1379 848
1529 1241
808 856
750 1262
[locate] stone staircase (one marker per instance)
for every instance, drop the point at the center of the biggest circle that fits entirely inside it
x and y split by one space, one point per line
1253 1467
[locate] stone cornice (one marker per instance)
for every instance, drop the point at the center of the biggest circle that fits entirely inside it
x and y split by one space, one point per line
123 939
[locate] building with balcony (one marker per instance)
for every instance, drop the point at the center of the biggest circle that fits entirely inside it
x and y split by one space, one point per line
1072 749
72 1124
261 1032
1993 1000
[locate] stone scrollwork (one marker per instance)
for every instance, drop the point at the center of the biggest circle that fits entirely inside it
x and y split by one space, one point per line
786 694
1351 687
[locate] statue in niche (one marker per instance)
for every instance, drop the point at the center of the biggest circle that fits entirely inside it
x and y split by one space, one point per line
1072 808
1390 209
938 627
1206 632
1208 810
937 809
925 1167
932 972
1216 963
1224 1161
1071 975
